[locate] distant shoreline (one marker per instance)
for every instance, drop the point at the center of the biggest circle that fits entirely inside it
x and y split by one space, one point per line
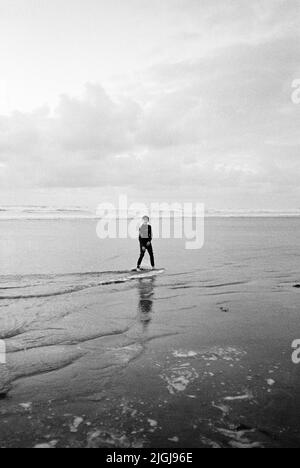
207 216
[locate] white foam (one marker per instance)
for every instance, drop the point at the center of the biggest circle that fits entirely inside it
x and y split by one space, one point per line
179 378
76 423
271 382
240 438
247 396
50 445
184 354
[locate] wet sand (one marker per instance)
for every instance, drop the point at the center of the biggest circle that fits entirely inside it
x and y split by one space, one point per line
160 382
198 358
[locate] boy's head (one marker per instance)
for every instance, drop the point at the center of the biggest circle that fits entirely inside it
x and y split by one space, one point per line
146 219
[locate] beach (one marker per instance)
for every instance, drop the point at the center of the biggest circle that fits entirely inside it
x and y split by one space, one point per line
198 355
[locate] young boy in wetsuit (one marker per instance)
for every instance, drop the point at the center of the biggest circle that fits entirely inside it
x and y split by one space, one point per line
145 238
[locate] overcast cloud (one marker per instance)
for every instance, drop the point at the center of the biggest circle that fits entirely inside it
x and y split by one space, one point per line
191 95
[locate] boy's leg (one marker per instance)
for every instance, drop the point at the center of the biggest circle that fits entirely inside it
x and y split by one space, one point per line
150 250
142 254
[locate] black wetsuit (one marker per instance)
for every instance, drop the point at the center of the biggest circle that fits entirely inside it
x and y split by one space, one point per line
145 238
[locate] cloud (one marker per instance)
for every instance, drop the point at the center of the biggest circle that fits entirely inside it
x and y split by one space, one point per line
229 106
223 120
76 146
97 123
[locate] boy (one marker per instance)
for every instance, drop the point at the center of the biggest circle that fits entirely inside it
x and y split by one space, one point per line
145 238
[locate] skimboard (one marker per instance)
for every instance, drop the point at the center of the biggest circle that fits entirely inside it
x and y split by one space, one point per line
148 271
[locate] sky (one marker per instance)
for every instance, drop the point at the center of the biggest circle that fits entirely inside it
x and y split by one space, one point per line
162 100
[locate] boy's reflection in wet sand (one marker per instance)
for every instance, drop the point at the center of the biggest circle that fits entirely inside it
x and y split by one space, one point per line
146 293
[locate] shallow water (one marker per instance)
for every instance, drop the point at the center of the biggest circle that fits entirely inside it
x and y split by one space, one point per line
219 320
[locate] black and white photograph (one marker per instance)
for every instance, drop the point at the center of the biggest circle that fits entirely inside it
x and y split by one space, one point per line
149 227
